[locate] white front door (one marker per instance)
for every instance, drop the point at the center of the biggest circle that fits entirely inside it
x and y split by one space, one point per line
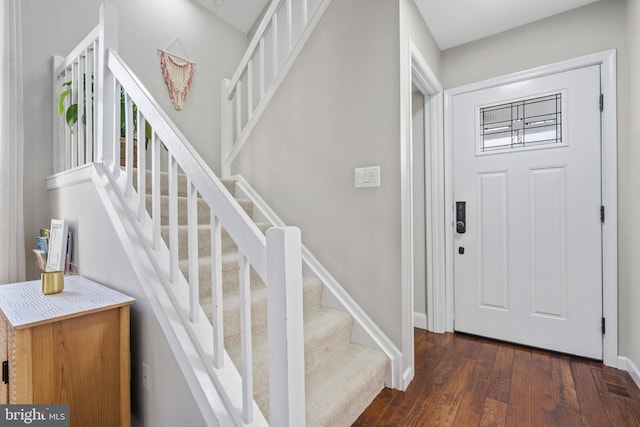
527 164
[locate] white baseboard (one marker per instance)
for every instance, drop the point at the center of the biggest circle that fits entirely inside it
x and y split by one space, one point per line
420 321
407 377
627 364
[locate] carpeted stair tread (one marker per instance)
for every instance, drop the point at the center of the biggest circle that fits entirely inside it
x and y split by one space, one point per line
230 272
312 296
340 388
203 209
324 330
342 378
231 313
204 239
230 185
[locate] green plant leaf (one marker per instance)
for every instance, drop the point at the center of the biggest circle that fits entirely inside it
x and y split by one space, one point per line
72 115
147 134
63 95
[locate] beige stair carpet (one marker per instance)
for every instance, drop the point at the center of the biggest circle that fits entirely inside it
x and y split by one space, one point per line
342 378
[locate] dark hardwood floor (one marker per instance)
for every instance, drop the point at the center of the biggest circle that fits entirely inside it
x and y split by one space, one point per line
467 381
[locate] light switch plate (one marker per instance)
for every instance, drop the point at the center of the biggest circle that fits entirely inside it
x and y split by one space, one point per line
367 177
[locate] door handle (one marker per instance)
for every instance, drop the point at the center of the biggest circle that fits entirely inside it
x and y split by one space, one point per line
461 213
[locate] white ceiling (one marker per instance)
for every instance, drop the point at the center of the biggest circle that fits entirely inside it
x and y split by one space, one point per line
452 22
239 13
455 22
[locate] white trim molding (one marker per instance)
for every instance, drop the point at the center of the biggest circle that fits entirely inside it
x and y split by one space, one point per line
420 321
419 73
607 62
429 86
78 175
627 364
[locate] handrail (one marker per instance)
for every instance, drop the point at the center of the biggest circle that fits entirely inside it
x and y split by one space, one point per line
79 49
242 229
96 138
76 146
255 42
224 210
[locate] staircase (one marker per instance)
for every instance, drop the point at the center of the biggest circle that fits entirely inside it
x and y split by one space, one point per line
342 378
210 259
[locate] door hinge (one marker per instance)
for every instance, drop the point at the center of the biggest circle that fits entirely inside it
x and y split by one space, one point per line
5 372
601 102
601 213
603 326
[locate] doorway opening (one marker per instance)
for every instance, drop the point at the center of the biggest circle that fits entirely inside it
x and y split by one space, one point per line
424 238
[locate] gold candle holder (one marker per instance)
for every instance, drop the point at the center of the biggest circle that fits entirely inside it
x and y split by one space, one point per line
52 282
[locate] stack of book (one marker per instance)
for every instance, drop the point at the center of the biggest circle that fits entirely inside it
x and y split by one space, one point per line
61 251
42 248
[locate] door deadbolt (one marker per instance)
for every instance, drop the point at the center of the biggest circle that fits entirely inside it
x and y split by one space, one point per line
461 213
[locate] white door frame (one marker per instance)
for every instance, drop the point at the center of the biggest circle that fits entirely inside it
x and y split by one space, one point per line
427 83
607 62
420 74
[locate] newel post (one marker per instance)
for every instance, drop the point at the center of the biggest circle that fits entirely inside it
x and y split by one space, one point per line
105 89
286 334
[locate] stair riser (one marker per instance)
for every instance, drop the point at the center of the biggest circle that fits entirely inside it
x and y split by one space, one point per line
321 347
204 237
182 183
230 276
312 297
232 319
164 184
362 390
336 335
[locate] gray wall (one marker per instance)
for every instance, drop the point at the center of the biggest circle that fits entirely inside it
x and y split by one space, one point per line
630 269
593 28
338 109
55 27
102 258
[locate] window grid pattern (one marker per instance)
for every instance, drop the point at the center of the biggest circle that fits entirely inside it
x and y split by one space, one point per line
526 123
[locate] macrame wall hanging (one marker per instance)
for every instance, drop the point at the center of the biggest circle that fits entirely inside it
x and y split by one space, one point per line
178 74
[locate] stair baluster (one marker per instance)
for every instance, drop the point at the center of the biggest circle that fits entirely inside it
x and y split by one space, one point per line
157 217
285 27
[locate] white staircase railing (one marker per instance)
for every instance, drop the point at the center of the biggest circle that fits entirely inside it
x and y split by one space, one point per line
280 37
111 102
76 145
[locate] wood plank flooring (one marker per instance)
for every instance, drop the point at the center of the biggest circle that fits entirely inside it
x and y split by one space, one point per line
467 381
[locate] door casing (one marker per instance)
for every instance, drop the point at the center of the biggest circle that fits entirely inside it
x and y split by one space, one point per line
607 62
419 73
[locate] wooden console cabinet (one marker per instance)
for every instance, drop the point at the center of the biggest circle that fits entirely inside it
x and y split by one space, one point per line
68 348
